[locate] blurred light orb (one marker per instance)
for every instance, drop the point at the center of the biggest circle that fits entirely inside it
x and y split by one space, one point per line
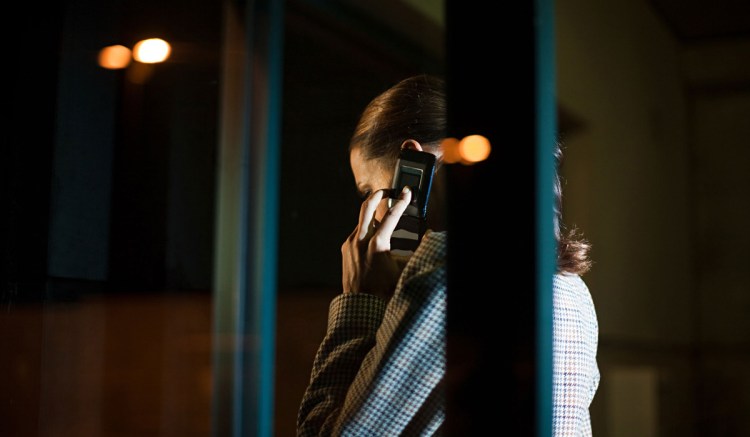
114 57
450 150
151 51
474 148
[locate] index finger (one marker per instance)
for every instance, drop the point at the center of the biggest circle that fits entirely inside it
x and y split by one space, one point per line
391 218
367 212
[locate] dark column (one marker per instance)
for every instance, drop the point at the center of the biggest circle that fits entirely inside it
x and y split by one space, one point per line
494 62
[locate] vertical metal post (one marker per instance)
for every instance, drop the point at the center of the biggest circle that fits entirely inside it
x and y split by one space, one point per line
546 251
247 220
499 71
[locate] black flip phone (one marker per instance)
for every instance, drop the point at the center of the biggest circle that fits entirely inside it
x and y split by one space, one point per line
415 169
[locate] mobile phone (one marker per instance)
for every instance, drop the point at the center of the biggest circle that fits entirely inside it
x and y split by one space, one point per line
414 169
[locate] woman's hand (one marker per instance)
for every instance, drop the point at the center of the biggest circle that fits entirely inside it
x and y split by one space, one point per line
368 266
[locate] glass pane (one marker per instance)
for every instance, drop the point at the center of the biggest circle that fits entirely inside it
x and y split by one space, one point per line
110 179
108 233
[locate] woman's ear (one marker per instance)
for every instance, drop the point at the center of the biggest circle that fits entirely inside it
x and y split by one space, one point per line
436 150
411 144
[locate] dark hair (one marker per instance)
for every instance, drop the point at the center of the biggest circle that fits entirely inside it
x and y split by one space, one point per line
572 248
414 108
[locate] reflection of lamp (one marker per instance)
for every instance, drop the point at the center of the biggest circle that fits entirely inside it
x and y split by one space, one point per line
147 51
474 148
151 51
114 57
468 151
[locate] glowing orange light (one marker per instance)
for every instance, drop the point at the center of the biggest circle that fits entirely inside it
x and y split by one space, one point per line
151 51
114 57
450 150
474 148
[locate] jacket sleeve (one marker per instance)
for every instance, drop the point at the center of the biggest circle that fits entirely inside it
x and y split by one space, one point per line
379 367
353 320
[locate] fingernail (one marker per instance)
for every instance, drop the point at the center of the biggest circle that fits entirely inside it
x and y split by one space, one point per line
405 191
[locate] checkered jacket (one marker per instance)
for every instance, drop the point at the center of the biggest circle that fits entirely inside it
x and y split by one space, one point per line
575 374
379 369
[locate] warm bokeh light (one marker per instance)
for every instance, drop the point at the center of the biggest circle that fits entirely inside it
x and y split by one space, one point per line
450 150
151 51
114 57
474 148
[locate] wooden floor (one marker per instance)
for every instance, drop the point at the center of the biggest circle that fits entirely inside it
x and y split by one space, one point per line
136 365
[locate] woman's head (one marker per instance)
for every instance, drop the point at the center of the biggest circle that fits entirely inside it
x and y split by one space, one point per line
411 113
413 109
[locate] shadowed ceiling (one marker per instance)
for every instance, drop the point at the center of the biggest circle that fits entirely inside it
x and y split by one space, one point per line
702 20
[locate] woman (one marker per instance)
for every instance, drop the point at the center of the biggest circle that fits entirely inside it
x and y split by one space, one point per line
380 367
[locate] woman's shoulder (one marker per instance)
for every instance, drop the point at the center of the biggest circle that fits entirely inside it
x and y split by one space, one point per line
429 256
433 247
568 280
570 290
435 239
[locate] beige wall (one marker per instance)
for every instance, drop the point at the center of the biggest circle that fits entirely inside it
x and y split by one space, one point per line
718 79
627 169
657 179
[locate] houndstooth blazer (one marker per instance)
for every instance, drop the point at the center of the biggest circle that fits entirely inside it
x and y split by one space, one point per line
378 371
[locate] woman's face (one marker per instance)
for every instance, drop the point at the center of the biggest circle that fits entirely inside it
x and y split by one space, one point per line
370 175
